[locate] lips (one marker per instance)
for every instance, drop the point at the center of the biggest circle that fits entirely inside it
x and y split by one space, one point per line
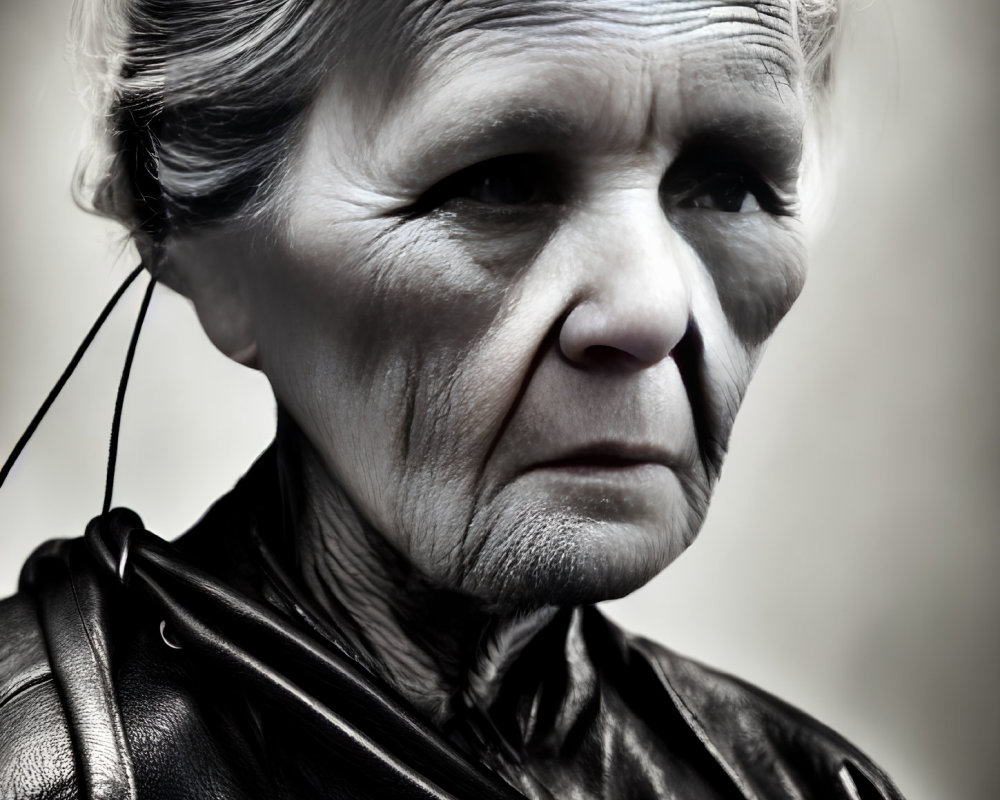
607 456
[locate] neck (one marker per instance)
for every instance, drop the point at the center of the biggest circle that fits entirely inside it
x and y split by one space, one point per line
438 647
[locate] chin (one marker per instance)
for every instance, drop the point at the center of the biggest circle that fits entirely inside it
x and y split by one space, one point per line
534 558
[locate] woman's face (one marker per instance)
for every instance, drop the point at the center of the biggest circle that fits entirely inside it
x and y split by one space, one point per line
514 305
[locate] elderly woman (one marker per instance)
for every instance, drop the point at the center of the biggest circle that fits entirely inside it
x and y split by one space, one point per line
508 267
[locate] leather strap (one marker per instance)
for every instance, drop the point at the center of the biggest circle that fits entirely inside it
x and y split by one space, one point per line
73 615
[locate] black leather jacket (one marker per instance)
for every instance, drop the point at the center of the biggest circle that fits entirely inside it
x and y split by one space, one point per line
134 668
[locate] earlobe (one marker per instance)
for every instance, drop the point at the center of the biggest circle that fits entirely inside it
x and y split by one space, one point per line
205 269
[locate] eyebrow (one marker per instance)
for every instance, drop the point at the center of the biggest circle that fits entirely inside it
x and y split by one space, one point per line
480 137
770 135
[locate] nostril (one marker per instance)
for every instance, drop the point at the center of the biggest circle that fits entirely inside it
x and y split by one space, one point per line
599 356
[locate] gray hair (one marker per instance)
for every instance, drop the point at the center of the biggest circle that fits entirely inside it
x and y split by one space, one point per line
198 103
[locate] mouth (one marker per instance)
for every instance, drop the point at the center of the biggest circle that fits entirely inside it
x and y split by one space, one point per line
606 457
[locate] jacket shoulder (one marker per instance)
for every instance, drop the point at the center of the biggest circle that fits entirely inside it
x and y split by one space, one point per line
763 742
36 754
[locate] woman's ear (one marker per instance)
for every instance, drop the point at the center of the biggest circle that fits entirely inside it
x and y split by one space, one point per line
206 268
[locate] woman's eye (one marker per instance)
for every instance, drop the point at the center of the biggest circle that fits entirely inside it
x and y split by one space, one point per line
506 182
729 188
732 193
503 183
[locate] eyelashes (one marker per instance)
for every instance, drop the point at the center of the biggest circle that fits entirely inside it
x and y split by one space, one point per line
496 186
720 185
519 185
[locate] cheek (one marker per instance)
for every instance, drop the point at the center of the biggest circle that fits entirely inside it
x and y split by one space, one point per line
384 343
365 305
756 263
752 271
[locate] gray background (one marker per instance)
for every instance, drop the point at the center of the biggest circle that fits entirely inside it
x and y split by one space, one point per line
848 562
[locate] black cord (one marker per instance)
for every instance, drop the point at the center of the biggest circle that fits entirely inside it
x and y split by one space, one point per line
109 483
77 356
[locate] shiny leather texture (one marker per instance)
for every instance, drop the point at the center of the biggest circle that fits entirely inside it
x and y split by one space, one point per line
135 668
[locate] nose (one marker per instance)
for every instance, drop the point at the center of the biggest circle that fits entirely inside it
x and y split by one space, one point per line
633 302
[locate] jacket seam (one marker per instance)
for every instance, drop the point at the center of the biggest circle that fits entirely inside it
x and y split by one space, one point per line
25 685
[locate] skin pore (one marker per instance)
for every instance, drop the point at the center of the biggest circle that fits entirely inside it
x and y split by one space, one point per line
512 310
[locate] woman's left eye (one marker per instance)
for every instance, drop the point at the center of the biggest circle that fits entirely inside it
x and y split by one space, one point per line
732 193
721 187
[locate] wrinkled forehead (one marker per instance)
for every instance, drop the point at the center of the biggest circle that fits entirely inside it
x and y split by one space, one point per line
754 42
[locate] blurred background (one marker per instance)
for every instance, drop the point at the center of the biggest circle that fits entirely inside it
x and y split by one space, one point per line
849 560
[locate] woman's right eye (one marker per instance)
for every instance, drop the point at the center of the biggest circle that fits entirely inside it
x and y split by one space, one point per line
503 183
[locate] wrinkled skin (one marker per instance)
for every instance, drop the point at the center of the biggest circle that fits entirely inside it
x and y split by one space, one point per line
514 306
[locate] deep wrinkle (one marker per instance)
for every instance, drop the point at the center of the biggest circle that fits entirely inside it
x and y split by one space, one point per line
414 36
480 498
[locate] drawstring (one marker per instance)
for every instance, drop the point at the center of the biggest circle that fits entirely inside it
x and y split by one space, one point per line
109 482
71 367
